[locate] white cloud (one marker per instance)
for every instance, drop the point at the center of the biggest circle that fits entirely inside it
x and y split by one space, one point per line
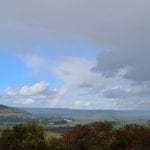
122 26
28 101
101 90
140 91
35 89
77 72
38 94
80 104
35 62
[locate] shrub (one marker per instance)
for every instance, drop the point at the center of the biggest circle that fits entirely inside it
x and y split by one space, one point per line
95 136
23 137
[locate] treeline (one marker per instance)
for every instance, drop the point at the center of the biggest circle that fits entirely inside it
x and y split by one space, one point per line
95 136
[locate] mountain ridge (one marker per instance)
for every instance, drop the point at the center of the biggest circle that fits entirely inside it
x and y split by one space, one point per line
90 114
8 113
77 114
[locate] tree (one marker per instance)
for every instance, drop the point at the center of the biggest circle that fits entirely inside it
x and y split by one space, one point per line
132 137
23 137
96 136
53 143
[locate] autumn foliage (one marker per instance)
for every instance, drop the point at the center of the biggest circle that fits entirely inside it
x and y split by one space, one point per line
95 136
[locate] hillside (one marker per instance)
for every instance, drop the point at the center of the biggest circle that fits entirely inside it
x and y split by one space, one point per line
25 114
10 114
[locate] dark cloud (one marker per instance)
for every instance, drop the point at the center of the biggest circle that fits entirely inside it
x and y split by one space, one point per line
135 62
120 27
123 24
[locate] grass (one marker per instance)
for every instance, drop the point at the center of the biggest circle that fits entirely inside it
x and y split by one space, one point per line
53 134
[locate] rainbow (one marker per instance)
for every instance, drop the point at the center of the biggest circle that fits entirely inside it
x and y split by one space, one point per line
56 97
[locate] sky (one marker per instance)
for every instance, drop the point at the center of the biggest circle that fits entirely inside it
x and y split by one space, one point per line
77 54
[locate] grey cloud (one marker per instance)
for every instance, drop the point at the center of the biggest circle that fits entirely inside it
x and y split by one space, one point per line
134 103
122 26
135 97
76 72
115 24
135 61
140 91
116 93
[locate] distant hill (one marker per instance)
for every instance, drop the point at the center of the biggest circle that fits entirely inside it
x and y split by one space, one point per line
27 114
3 106
8 114
113 115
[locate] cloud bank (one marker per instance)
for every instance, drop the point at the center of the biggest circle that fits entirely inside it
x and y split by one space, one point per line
121 28
38 94
115 24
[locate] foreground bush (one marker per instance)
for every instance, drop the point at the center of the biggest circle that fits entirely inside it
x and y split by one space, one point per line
23 137
95 136
132 137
